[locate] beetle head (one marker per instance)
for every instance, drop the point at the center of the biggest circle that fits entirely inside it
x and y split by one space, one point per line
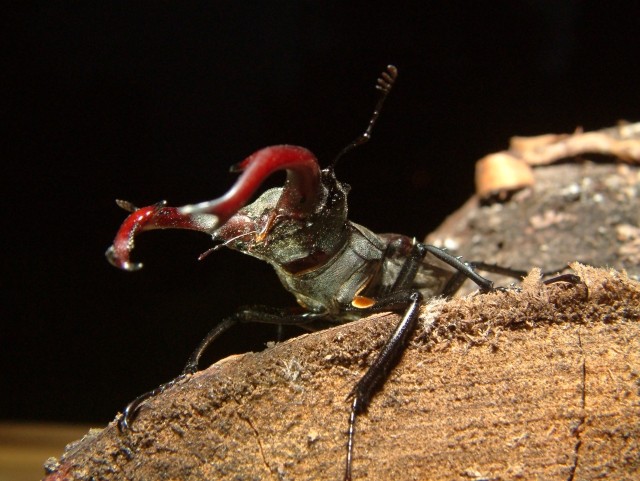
275 216
296 227
295 240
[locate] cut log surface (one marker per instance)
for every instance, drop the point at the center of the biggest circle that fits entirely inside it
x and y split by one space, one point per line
540 382
581 211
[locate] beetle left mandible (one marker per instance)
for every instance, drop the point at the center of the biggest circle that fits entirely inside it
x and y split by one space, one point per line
337 270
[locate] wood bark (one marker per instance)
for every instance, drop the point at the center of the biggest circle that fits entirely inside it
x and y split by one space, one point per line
540 382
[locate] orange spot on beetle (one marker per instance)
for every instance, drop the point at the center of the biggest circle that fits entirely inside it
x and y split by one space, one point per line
362 302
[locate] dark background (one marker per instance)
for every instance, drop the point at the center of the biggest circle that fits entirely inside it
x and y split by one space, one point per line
151 101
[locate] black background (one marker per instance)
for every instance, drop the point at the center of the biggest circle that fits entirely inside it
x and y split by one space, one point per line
154 100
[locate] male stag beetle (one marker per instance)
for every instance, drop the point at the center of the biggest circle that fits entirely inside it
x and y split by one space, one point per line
337 270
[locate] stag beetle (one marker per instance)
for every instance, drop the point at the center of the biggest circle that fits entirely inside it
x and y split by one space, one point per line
337 270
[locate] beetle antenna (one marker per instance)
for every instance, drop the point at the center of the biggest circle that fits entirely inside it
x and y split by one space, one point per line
384 85
221 244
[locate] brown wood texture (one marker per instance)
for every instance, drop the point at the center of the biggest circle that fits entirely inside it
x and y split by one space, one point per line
537 383
576 211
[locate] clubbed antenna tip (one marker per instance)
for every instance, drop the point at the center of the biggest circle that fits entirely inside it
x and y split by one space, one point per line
387 79
384 84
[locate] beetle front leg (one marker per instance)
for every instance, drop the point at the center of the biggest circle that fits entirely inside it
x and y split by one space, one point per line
258 314
377 373
401 294
262 314
130 412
